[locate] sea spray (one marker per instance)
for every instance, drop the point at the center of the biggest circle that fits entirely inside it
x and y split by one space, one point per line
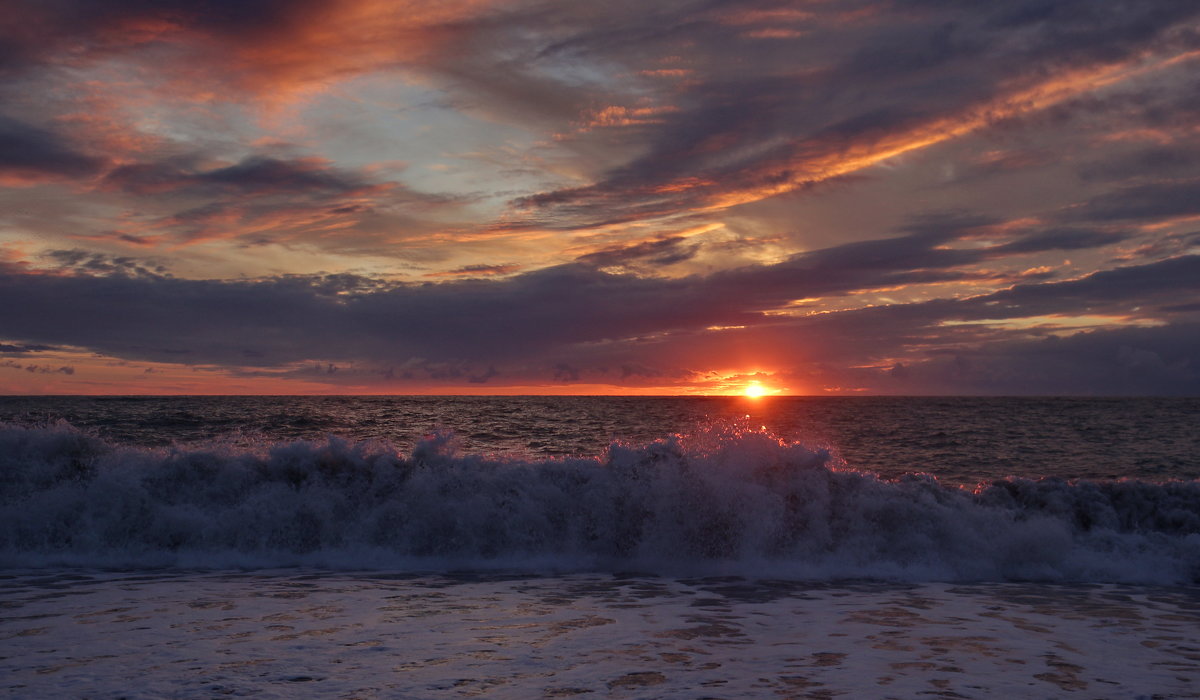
724 500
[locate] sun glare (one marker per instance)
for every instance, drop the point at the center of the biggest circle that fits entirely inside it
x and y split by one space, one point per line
754 390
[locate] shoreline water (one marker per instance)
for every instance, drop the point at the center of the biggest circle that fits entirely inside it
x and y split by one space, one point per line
324 634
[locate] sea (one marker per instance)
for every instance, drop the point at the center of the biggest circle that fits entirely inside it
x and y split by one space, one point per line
682 547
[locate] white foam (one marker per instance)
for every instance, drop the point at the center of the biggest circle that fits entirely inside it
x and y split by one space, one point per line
336 635
723 501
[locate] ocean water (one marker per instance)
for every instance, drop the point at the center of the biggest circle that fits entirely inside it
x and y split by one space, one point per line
349 547
1078 490
962 441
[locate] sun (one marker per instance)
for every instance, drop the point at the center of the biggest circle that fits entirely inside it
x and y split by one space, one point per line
754 390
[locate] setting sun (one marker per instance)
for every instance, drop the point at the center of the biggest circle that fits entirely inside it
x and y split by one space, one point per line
754 390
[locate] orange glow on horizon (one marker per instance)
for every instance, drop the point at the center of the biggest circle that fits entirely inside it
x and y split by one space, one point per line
77 371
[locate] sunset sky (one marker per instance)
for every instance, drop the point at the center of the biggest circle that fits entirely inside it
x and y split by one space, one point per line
671 197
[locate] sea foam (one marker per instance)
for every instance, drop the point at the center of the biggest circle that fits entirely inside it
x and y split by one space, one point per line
724 501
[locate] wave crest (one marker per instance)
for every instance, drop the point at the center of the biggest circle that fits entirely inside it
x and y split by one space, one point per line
722 501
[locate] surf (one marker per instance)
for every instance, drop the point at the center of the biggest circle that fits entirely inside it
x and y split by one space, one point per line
724 500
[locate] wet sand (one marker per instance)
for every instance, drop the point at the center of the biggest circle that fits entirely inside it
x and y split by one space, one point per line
344 635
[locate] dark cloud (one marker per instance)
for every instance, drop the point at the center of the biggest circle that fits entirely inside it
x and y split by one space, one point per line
276 198
1116 290
1062 239
657 253
1153 202
27 151
1135 291
252 175
1075 31
564 372
289 319
38 369
259 174
1160 361
37 31
481 270
1153 161
100 264
918 49
23 349
631 370
922 255
483 377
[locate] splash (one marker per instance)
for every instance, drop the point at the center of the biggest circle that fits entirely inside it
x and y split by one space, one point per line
723 501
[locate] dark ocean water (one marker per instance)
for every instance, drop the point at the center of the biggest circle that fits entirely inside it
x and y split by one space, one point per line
916 488
960 440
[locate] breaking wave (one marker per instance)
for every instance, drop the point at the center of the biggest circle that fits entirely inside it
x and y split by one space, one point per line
722 501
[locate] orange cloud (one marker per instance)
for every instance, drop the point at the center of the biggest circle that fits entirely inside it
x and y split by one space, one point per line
765 16
478 271
619 116
331 42
716 181
279 52
774 33
809 165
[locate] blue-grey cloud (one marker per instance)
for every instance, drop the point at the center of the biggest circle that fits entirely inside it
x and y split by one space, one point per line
1154 201
251 175
32 152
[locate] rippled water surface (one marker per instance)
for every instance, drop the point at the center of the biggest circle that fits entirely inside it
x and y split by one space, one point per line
961 440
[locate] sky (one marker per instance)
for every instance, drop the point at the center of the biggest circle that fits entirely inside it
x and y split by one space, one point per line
815 197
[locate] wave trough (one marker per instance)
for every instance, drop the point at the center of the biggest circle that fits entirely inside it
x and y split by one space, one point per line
720 502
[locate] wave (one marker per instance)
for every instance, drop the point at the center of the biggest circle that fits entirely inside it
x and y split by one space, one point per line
724 501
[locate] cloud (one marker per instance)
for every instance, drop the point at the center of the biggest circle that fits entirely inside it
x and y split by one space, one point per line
253 175
1160 361
730 139
273 48
263 199
1119 289
38 369
81 261
23 349
478 271
719 138
1064 238
552 315
483 377
263 137
1156 161
1154 201
30 154
657 253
